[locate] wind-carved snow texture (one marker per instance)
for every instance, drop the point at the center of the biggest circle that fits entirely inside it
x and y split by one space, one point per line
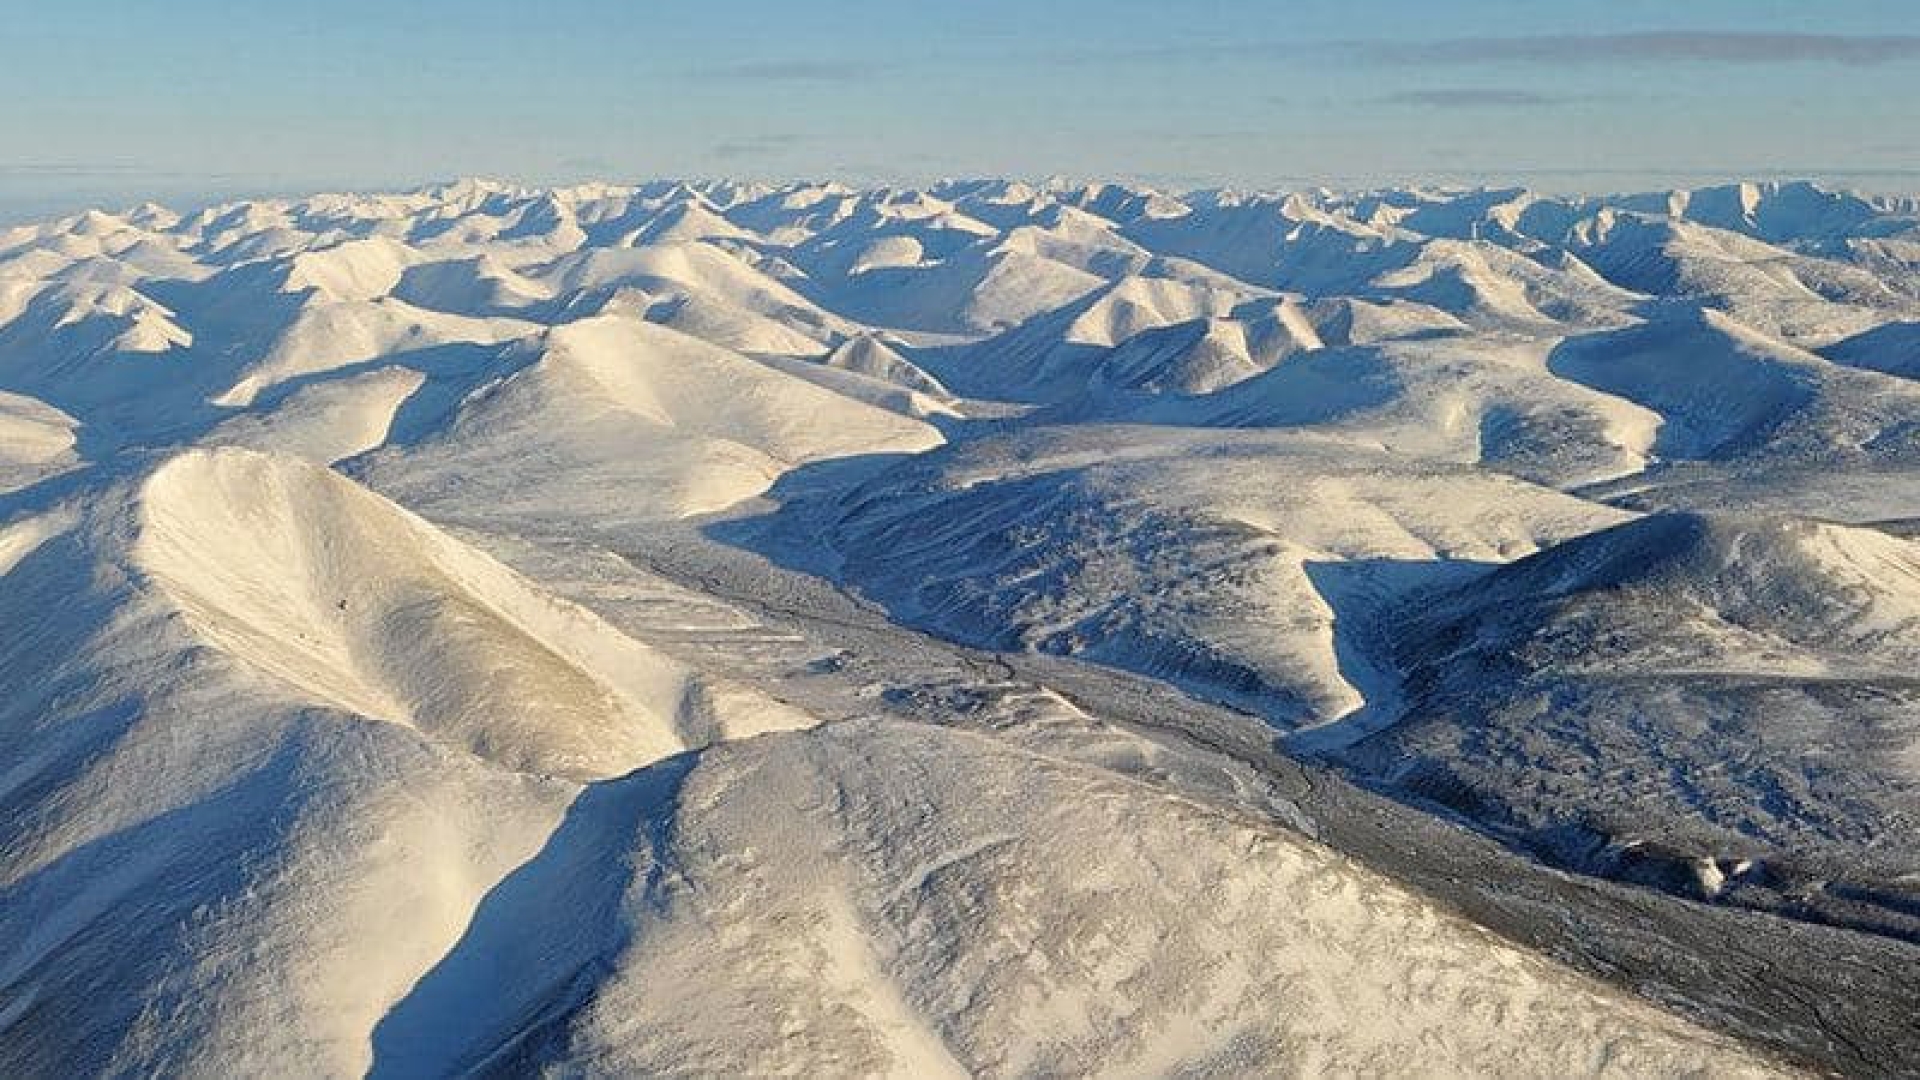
990 629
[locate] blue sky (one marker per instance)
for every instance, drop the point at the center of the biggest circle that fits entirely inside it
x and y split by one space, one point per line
106 100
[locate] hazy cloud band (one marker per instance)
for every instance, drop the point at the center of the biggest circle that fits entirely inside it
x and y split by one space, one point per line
1477 97
1691 46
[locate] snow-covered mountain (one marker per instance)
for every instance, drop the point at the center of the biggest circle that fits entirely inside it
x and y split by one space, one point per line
997 629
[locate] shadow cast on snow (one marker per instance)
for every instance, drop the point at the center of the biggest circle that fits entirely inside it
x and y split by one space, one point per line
542 940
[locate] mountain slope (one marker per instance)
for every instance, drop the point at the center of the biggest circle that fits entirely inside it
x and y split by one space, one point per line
1717 702
615 403
1233 563
877 929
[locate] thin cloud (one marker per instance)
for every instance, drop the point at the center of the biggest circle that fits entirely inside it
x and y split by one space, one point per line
1728 47
1203 138
1653 46
69 169
792 71
1473 97
85 172
747 146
